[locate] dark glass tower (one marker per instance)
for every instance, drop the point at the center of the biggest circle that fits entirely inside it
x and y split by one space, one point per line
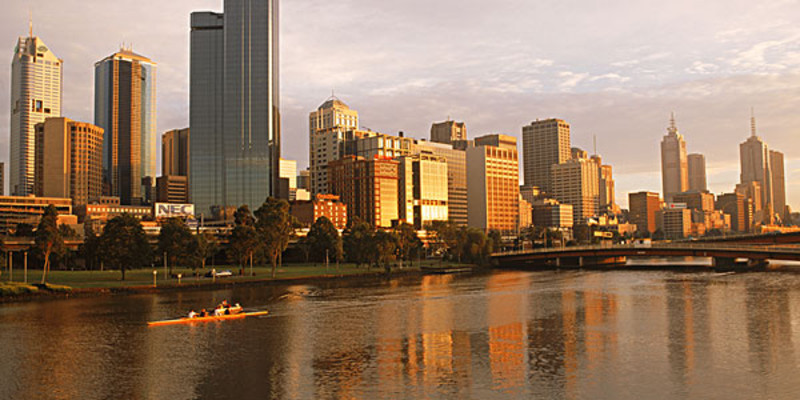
234 106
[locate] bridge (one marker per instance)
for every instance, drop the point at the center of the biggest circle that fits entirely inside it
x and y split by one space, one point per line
724 255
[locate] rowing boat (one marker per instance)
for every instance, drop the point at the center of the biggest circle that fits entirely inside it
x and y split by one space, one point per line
187 320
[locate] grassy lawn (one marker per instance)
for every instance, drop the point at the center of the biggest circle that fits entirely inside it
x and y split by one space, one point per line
144 277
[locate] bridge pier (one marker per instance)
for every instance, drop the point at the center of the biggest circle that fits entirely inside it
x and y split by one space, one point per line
730 264
589 262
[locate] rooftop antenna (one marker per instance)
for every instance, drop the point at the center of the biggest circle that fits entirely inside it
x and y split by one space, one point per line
30 23
595 144
753 121
673 127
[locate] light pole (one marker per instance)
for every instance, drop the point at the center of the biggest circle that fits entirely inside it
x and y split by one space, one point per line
155 276
25 267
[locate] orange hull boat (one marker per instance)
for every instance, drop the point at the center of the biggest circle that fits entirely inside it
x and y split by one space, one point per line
187 320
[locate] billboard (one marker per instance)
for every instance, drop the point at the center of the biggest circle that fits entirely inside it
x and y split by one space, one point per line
166 210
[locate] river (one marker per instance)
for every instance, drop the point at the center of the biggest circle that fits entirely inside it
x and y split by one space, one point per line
508 334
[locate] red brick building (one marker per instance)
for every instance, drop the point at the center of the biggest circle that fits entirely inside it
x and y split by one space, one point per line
323 205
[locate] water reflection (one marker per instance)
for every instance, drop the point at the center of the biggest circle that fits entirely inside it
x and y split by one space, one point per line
501 335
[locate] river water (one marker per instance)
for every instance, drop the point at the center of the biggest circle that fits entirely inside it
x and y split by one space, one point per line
554 335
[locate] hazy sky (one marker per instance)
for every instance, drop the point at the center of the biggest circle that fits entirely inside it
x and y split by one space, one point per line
615 69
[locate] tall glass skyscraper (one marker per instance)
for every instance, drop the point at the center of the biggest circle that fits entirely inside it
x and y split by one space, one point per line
36 82
125 107
234 105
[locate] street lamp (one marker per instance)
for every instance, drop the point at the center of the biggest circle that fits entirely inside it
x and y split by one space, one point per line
155 276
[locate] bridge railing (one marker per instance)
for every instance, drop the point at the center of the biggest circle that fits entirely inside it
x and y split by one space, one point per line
679 245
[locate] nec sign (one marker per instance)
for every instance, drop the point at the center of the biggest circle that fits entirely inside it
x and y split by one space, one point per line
164 210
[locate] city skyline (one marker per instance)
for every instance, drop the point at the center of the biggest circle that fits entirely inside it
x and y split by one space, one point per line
623 95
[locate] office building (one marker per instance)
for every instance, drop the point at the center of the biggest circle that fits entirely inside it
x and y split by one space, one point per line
2 178
578 153
643 207
497 140
530 193
550 213
735 205
15 210
175 153
674 163
36 81
675 222
172 189
778 184
370 144
525 214
69 160
544 144
304 180
423 189
322 205
756 168
234 106
456 177
368 187
125 107
448 132
576 182
701 201
697 173
327 126
288 170
493 185
606 187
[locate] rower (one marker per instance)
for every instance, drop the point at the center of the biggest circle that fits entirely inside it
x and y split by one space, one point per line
192 314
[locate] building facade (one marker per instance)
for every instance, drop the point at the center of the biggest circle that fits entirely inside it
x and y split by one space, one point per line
36 81
757 168
643 207
676 223
172 189
125 107
544 144
234 105
735 205
697 173
778 184
69 160
576 182
175 152
322 205
448 132
369 188
456 177
423 189
674 163
493 187
326 129
15 210
550 213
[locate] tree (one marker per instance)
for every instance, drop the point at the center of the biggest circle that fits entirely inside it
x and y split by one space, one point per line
275 226
48 238
244 241
64 254
323 239
451 237
357 234
90 248
124 244
476 246
24 230
175 241
496 240
659 235
206 246
408 243
383 249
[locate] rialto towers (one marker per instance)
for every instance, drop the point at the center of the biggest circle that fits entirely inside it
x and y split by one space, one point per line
234 106
36 81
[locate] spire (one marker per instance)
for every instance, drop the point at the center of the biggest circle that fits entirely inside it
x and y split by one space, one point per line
30 23
752 122
673 127
595 144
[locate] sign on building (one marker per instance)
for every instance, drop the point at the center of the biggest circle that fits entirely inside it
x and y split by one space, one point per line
166 210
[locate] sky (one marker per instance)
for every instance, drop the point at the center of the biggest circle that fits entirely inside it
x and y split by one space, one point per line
612 69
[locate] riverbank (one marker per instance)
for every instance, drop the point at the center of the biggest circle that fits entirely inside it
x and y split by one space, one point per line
79 284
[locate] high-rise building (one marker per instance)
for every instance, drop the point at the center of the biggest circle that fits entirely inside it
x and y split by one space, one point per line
370 144
578 153
69 162
643 207
2 178
423 189
456 177
322 205
493 185
304 180
552 214
125 107
697 172
606 187
234 105
735 205
675 222
778 184
576 182
674 163
544 144
172 189
175 153
36 80
525 214
694 200
326 128
448 132
756 167
288 170
368 187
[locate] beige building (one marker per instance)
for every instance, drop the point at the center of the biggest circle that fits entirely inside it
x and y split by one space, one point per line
456 177
606 187
175 152
675 222
525 214
327 126
552 214
674 163
369 188
370 144
448 132
754 156
697 172
544 144
69 160
576 182
778 184
423 189
493 185
36 81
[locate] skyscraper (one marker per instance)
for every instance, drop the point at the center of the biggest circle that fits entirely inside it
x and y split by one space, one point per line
326 129
368 187
36 81
448 131
756 167
674 163
175 152
456 178
493 184
234 105
778 183
697 172
643 207
125 107
544 144
577 182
